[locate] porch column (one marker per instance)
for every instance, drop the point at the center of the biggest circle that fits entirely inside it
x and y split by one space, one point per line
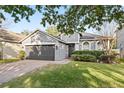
90 45
96 47
108 44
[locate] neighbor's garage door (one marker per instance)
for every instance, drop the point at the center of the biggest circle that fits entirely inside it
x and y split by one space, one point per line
44 52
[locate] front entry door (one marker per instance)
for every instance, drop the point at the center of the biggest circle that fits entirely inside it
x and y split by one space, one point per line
71 49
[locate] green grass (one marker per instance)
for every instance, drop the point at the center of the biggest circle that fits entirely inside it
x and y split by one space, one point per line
9 60
74 75
119 60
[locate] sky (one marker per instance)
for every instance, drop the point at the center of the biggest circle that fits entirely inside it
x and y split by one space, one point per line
24 24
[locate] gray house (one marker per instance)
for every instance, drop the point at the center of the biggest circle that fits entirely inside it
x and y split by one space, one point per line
42 46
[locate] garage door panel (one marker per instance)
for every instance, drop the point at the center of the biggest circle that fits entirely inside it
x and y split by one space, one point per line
45 52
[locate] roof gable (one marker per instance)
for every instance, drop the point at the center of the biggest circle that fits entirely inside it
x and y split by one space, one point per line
44 33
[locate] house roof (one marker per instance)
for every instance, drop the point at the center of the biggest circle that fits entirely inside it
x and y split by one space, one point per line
92 36
58 39
9 36
88 36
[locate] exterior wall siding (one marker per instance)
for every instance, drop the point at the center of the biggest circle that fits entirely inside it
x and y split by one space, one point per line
77 46
61 51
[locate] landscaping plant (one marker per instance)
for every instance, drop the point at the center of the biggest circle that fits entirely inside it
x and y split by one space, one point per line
84 57
22 55
95 53
107 58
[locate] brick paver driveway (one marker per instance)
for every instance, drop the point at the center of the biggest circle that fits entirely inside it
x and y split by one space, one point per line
9 71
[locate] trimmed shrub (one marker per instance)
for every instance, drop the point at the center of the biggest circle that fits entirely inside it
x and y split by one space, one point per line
83 57
22 55
95 53
107 58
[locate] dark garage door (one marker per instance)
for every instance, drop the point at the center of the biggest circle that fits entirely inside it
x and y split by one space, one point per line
44 52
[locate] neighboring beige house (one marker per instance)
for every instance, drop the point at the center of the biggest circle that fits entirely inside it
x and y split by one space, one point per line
9 44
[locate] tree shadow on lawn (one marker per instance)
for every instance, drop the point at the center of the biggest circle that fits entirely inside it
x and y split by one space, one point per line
114 79
70 77
118 74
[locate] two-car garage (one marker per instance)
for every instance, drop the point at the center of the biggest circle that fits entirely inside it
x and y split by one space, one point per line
41 52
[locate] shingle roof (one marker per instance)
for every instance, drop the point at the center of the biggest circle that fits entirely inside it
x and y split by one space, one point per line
9 36
88 36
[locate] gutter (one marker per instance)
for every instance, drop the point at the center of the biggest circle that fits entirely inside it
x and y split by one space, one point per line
10 41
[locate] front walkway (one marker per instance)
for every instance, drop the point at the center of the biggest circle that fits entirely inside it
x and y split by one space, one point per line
9 71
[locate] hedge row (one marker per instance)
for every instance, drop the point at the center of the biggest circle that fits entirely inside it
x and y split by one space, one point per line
95 53
84 57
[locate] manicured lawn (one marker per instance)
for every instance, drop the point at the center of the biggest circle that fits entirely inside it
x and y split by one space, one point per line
9 60
74 74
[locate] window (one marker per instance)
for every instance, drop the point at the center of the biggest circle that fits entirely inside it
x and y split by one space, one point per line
99 47
86 46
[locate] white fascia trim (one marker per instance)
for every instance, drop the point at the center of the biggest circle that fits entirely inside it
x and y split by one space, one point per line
78 38
72 42
41 44
88 39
